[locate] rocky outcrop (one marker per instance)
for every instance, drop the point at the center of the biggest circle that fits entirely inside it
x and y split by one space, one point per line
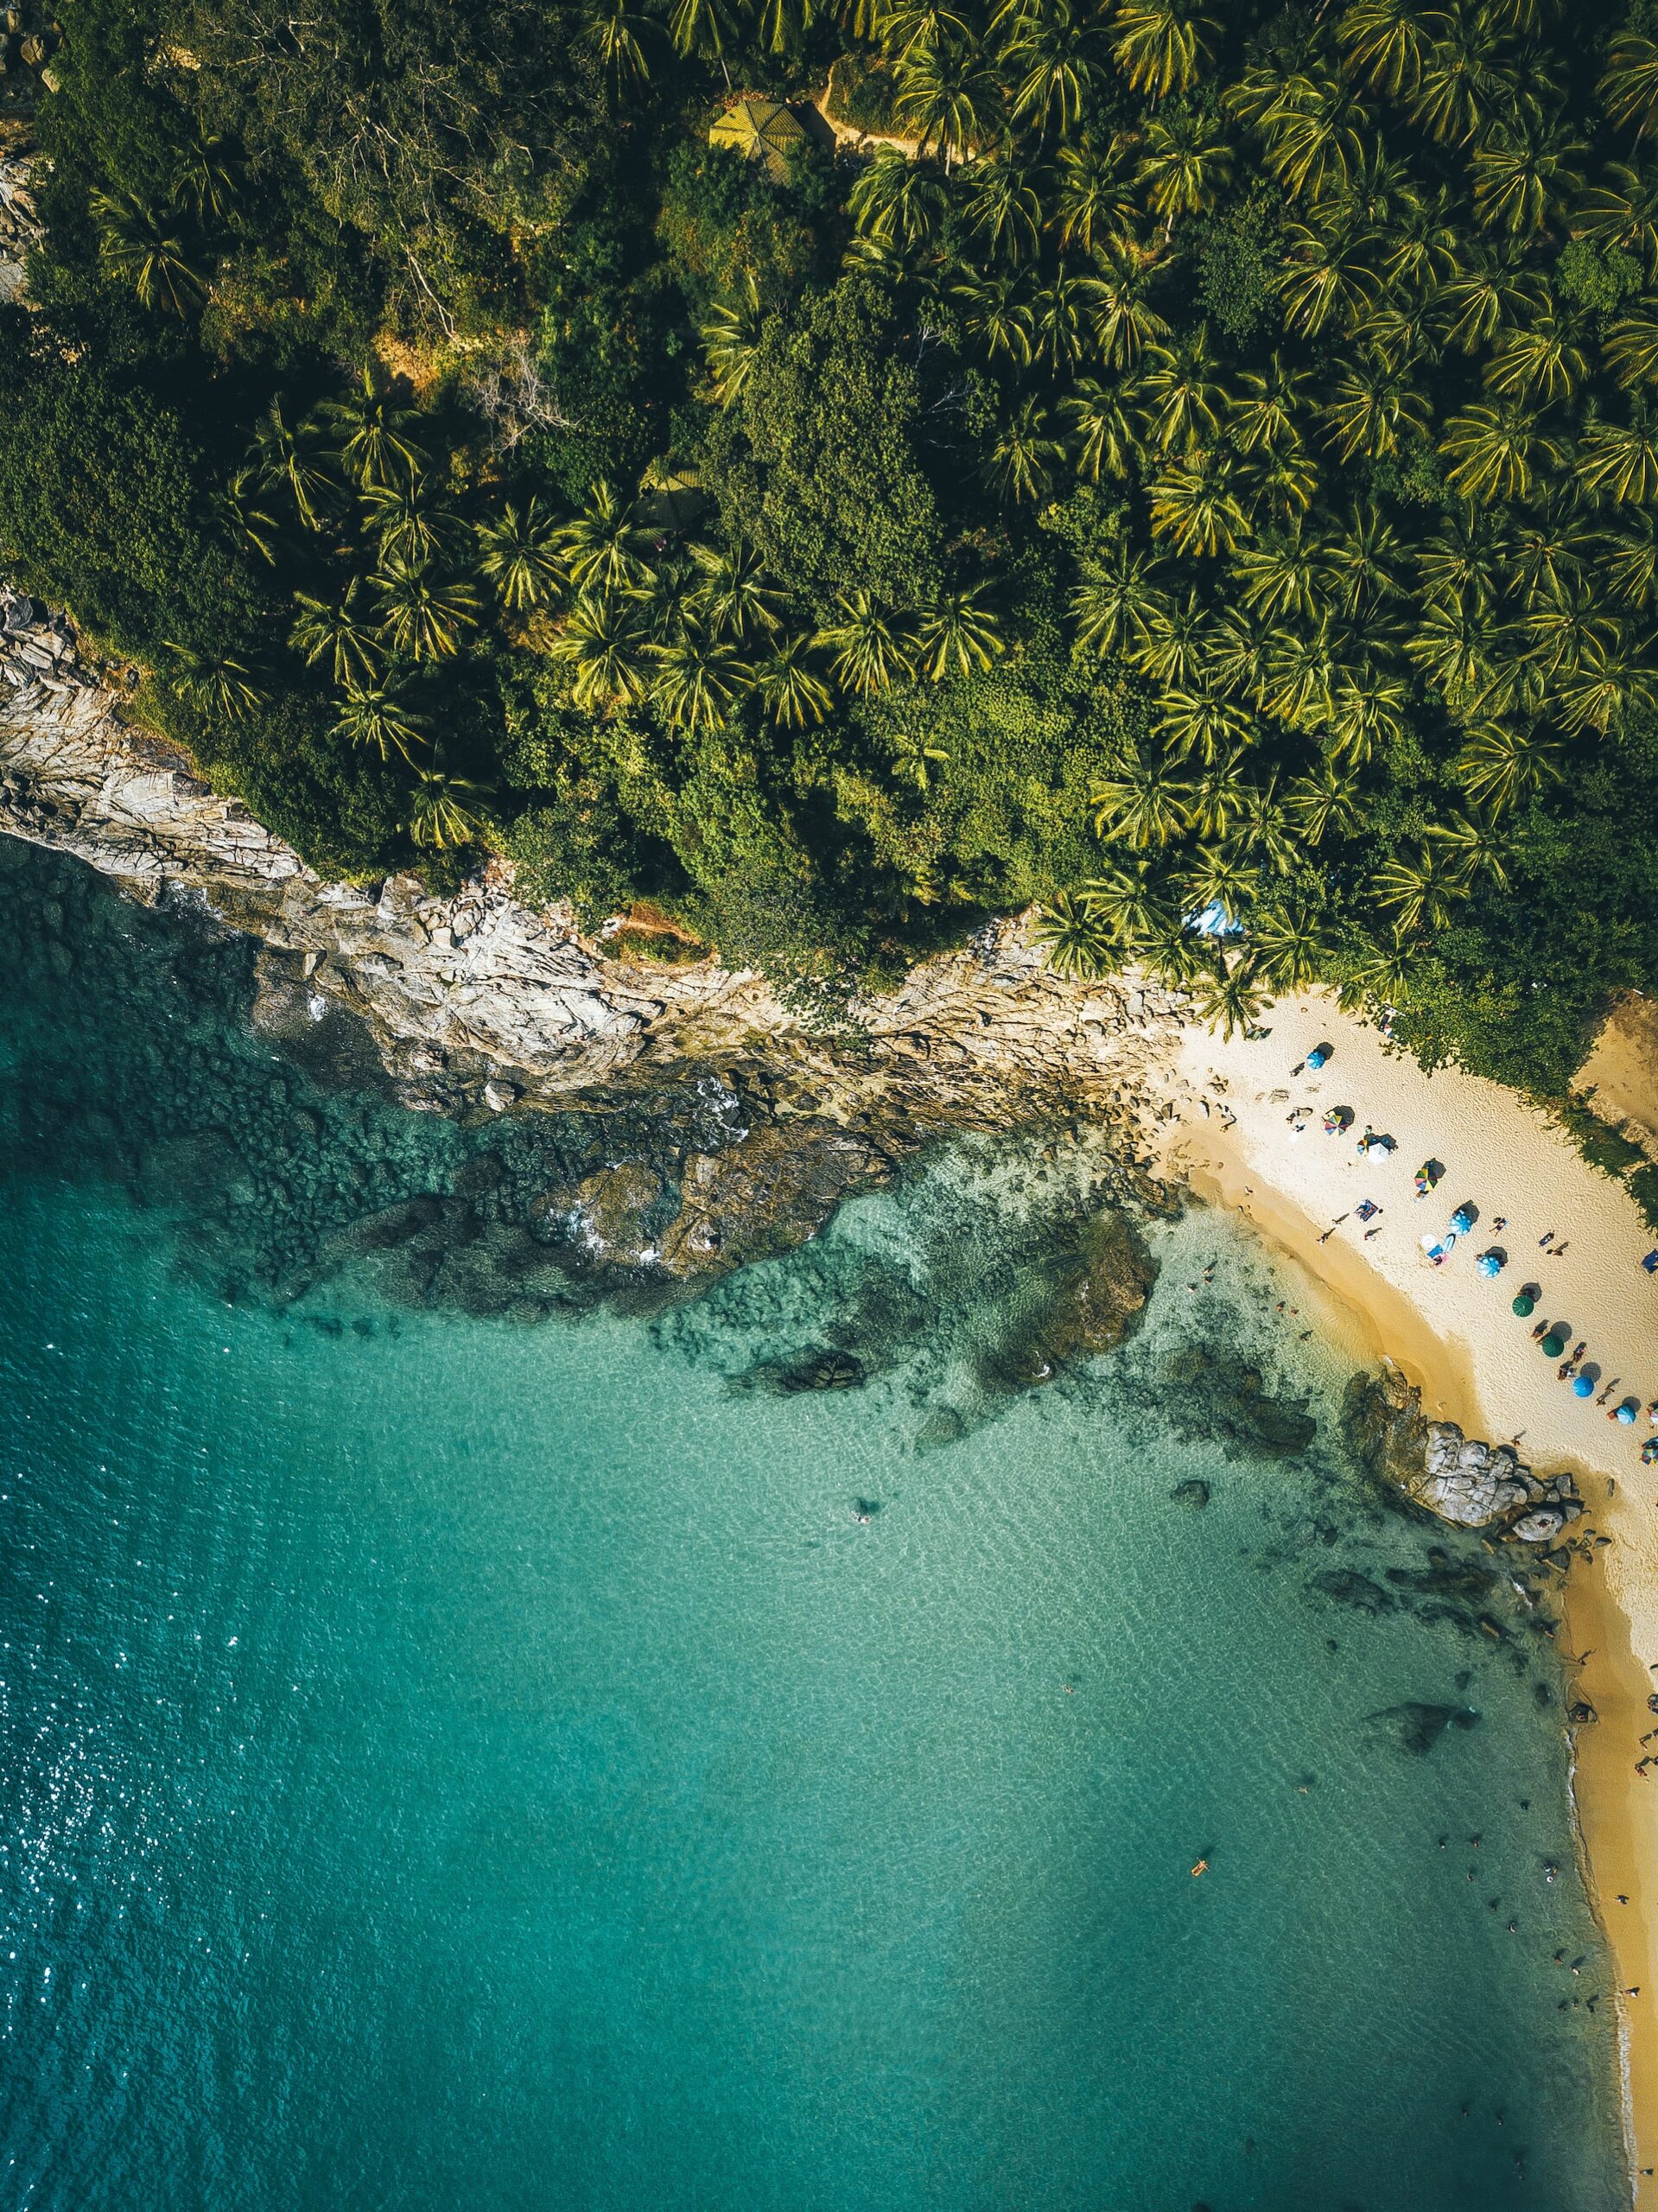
475 1000
1461 1480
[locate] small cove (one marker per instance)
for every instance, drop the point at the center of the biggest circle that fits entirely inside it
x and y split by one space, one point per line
452 1760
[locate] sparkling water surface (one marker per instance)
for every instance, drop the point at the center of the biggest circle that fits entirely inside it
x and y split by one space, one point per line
447 1761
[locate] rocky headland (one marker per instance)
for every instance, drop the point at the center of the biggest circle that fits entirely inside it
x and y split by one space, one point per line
704 1122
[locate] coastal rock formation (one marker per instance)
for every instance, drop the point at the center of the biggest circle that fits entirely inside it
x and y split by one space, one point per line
476 1000
1471 1484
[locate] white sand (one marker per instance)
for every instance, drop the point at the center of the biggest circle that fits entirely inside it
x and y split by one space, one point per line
1456 1335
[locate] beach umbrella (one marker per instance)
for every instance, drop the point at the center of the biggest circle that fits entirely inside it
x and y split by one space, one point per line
1554 1345
1488 1264
1582 1386
1626 1412
1524 1305
1462 1220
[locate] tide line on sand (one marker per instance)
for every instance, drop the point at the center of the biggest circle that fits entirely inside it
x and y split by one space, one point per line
1254 1127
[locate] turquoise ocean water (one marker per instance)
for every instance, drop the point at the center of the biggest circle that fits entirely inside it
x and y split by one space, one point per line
447 1761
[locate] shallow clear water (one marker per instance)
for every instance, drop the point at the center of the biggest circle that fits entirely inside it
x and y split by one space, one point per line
447 1761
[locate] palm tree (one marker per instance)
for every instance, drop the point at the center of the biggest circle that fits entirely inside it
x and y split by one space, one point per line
1264 827
1323 802
948 96
1524 176
378 717
699 679
1382 980
1290 949
1607 684
998 315
1288 574
423 615
1326 276
1186 162
1541 363
1057 312
1171 647
1199 722
1216 797
734 596
1232 999
1375 409
1161 46
1181 401
339 634
1193 506
1385 43
790 689
1623 210
442 810
1093 192
1024 457
911 24
240 510
1144 805
1490 290
1003 213
1629 567
374 442
1127 900
869 646
1262 416
1118 602
1051 56
730 339
602 640
518 556
957 632
1495 451
209 182
1364 563
916 760
1620 460
412 521
1218 876
1470 846
703 26
1632 349
214 683
1421 892
294 461
1461 84
1077 942
897 202
605 544
135 249
1104 440
1628 85
1500 766
617 35
1124 324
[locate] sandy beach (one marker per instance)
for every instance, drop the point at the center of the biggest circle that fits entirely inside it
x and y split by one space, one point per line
1229 1131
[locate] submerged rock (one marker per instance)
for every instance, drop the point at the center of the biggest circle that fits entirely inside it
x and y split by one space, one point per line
1194 1493
1419 1727
1211 1393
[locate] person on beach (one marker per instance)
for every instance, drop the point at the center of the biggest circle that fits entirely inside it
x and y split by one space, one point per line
1548 1237
1559 1249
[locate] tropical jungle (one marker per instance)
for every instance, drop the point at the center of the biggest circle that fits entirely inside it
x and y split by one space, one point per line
826 473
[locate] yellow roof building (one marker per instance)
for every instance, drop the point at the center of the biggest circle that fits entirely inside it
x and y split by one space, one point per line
765 130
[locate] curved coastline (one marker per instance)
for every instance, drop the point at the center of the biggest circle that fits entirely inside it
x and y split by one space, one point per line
974 1039
1457 1338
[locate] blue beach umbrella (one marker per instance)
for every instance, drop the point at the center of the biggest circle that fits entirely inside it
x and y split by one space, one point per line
1582 1386
1488 1264
1626 1412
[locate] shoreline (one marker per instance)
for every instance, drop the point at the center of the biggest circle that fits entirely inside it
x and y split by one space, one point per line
1455 1335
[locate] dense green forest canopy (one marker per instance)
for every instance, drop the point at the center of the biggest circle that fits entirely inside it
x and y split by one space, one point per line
1188 457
